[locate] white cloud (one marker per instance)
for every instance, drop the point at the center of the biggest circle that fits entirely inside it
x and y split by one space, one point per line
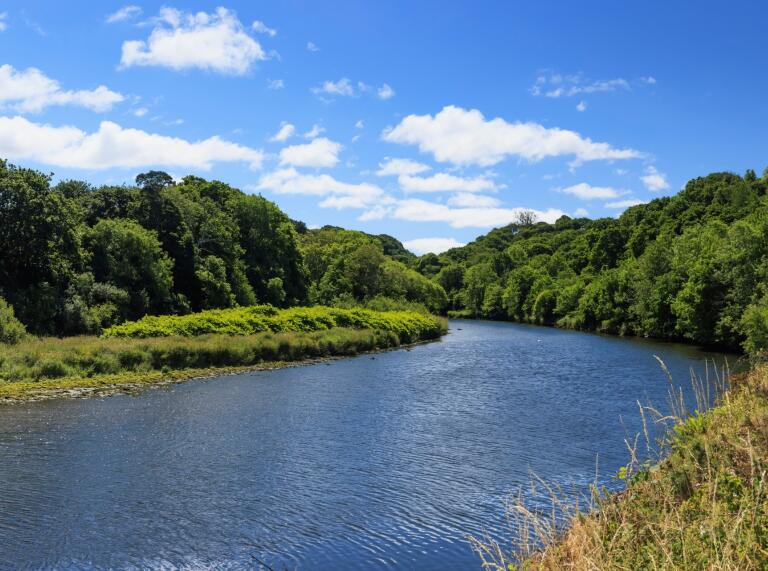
140 112
557 85
285 132
3 23
416 210
337 194
385 92
343 88
314 132
360 124
320 152
434 245
464 136
442 182
113 146
581 213
650 80
394 167
124 13
586 191
275 84
470 200
262 28
312 47
30 90
620 204
214 42
654 180
581 106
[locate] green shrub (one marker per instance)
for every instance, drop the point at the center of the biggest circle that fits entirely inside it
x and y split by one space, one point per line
11 329
408 325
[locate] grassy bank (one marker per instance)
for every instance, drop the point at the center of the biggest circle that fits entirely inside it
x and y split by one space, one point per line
704 506
35 368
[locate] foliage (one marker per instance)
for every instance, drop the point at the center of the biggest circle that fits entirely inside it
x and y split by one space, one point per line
76 259
11 329
349 265
408 325
693 267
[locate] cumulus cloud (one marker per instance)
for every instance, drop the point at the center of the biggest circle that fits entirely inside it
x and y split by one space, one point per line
285 132
586 191
442 182
385 92
213 42
343 87
312 47
471 200
275 84
581 106
114 146
125 13
3 23
314 132
464 137
320 152
654 180
140 112
360 124
262 28
396 167
432 245
336 194
621 204
30 90
581 212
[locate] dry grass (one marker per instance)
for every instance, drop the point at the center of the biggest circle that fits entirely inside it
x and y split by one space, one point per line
701 504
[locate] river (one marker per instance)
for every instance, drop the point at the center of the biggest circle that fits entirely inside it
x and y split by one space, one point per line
385 461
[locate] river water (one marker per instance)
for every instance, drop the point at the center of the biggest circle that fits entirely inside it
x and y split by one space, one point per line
384 461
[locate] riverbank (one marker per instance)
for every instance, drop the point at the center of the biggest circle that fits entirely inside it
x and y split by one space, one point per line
704 506
74 367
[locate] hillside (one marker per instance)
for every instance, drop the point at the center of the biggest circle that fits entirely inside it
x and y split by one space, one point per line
690 267
76 259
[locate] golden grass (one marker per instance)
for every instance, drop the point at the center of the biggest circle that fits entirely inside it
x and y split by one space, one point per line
704 505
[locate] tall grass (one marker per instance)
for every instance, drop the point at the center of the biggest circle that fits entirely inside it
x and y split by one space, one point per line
702 503
128 353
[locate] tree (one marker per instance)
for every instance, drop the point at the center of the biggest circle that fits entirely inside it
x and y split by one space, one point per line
131 257
525 218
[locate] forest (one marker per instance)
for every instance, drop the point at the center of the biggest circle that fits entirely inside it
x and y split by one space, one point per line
77 259
692 267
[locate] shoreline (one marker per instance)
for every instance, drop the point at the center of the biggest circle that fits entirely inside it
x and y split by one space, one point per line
131 383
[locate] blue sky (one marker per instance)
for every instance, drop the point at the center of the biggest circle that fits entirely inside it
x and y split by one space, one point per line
430 121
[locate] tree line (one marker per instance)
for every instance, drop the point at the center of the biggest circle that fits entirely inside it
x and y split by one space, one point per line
690 267
76 259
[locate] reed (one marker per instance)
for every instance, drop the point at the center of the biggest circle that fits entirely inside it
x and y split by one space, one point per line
697 501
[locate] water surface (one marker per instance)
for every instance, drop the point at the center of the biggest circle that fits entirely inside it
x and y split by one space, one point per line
372 462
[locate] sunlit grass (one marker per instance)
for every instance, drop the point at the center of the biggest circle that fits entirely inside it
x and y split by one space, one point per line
703 505
79 362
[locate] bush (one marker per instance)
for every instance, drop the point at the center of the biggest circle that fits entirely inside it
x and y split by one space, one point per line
408 325
11 329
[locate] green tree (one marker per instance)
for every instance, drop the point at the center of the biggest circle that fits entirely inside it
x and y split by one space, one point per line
131 257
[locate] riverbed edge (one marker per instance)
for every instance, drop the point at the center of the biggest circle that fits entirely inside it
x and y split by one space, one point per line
136 383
